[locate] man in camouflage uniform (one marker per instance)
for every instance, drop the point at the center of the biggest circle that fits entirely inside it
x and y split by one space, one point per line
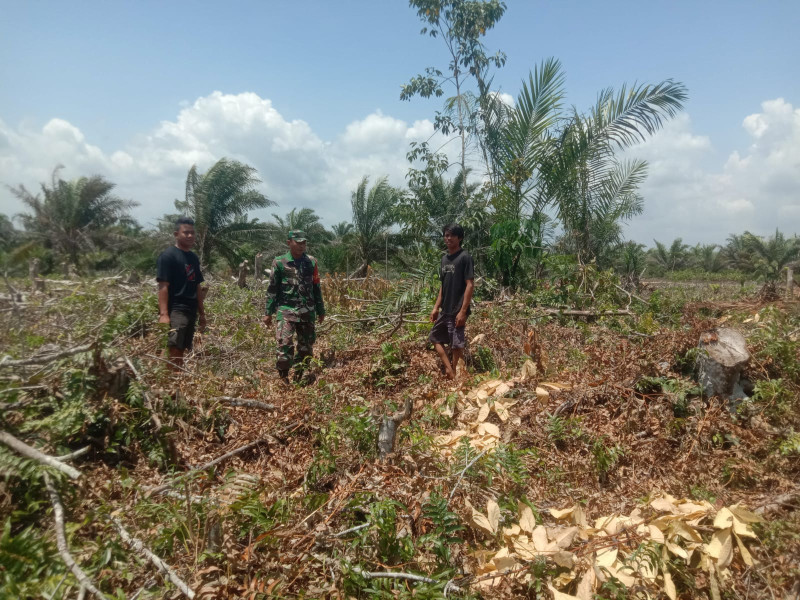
294 293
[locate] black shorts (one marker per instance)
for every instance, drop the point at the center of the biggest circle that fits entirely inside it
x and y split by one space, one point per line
181 329
445 332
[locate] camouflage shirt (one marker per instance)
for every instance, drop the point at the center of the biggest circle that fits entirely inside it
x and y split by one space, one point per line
294 291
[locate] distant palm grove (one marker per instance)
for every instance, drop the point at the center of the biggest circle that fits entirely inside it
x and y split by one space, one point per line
545 197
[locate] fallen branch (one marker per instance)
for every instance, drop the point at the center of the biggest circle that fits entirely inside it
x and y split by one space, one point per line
31 452
583 313
460 477
399 575
23 389
163 567
147 403
245 402
61 541
351 530
75 454
41 360
208 465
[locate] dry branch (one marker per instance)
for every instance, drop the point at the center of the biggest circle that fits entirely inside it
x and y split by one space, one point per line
147 403
163 567
208 465
399 575
40 360
31 452
245 402
61 541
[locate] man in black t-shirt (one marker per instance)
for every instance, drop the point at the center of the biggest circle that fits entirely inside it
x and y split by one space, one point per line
457 274
180 297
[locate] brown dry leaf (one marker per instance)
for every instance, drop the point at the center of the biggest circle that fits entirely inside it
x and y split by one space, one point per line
489 521
724 519
483 413
528 370
539 539
745 516
721 547
746 556
527 522
560 595
525 548
587 585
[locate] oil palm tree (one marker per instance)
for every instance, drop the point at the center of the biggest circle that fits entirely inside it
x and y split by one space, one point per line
74 217
218 201
771 256
592 190
373 215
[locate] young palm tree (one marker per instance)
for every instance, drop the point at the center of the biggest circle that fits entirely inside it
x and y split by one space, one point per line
218 201
592 190
771 256
670 259
373 215
74 217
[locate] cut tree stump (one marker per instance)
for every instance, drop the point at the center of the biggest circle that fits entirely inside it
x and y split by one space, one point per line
388 430
723 354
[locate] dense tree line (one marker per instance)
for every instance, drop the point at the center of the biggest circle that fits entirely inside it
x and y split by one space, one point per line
539 187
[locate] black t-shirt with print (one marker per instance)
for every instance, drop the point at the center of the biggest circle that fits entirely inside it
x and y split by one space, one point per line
181 270
453 273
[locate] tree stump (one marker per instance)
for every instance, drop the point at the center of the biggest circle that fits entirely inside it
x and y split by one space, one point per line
387 431
242 280
39 285
33 271
723 354
258 270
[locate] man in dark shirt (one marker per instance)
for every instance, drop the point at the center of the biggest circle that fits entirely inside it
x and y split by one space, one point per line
180 299
457 274
295 294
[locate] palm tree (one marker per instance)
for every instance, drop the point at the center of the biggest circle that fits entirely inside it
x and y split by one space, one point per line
373 215
434 204
592 190
771 256
670 259
304 219
341 230
706 257
218 201
74 217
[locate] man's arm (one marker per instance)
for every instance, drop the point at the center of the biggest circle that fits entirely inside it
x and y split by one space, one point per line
316 287
272 294
436 306
163 302
201 308
461 317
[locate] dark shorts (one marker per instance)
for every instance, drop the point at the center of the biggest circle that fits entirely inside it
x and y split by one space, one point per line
445 332
181 329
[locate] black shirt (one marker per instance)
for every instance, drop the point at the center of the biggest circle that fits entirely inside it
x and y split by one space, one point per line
181 270
453 273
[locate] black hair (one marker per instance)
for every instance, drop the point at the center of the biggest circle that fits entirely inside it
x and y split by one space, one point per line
183 221
454 229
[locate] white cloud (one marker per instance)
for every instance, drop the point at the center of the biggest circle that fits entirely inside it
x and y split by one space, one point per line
691 192
296 166
688 196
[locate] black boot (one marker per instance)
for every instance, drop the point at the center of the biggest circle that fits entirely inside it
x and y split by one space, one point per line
284 375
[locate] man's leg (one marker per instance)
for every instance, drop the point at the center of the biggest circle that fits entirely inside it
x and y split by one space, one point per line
448 369
306 336
181 334
285 348
458 341
438 337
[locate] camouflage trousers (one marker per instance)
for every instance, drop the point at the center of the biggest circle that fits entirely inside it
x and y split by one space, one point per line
306 336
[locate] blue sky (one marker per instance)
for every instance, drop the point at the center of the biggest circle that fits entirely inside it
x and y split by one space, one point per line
308 93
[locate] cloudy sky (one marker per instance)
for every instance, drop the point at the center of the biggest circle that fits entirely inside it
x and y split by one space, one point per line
308 93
